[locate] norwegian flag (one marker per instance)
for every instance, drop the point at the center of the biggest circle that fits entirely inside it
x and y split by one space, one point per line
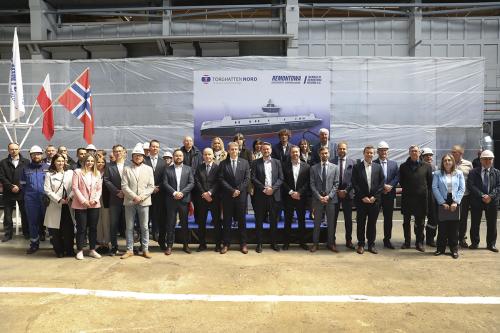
78 100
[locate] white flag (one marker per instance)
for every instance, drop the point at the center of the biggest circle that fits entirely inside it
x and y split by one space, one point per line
16 82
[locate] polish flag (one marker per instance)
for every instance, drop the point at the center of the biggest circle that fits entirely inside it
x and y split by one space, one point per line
44 100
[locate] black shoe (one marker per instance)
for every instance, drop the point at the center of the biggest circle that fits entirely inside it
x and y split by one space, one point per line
463 244
431 243
202 247
349 245
420 247
258 249
372 249
32 249
42 237
304 246
71 254
492 248
388 245
186 249
6 238
217 248
102 250
60 255
275 247
113 252
285 247
454 255
473 247
406 246
438 253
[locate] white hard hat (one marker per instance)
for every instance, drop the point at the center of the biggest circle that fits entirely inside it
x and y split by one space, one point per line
145 145
487 154
382 145
36 149
138 149
167 154
427 151
91 147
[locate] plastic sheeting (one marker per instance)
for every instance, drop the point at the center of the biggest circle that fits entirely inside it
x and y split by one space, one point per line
432 102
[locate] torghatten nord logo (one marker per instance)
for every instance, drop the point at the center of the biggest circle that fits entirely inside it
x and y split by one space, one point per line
206 79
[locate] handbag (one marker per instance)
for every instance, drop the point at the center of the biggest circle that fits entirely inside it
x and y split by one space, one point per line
448 215
46 198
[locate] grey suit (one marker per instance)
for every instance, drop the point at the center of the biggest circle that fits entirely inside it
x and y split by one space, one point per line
174 206
332 182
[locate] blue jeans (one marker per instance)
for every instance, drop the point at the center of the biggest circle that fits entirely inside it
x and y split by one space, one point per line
143 213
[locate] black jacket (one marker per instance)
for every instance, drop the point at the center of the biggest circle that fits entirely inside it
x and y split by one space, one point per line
9 176
416 183
475 186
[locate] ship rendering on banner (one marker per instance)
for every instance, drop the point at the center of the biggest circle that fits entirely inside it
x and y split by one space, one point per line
269 121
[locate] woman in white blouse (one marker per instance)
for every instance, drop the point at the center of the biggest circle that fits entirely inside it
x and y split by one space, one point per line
59 217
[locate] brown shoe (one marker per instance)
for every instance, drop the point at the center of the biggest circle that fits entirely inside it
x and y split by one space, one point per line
333 248
127 254
146 255
361 249
244 249
314 248
168 251
349 245
224 250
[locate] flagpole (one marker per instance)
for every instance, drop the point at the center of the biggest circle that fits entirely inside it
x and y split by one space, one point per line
4 126
33 108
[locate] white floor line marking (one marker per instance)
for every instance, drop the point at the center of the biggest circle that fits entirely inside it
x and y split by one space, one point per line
256 298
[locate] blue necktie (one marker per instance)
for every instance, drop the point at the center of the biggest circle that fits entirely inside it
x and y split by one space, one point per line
486 181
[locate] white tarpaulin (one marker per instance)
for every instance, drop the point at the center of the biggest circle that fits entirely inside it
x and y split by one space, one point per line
434 102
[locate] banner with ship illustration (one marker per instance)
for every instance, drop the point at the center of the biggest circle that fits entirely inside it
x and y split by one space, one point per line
258 103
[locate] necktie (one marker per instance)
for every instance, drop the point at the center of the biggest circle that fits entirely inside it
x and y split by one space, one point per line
323 179
234 167
486 182
341 174
384 167
208 169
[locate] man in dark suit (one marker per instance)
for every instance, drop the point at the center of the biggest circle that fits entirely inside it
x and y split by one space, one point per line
391 174
484 186
178 181
206 198
10 173
281 150
345 191
324 141
296 189
267 178
113 182
415 178
234 176
368 182
324 181
157 209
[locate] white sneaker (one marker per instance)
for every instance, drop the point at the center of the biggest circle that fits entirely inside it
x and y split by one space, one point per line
79 255
94 254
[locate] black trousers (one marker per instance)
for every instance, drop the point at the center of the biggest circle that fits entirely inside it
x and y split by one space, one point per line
347 209
267 206
298 206
86 218
8 225
388 212
367 212
491 223
448 232
432 220
234 209
418 228
62 239
464 214
157 211
174 207
201 209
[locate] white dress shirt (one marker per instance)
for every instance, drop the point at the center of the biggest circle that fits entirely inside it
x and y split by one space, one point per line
120 168
368 170
154 161
178 173
295 171
15 162
268 169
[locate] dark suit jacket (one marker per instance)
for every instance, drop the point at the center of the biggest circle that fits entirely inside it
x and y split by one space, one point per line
207 183
158 171
259 178
170 183
347 176
475 186
360 183
230 182
392 176
9 176
416 184
302 179
113 182
315 158
277 152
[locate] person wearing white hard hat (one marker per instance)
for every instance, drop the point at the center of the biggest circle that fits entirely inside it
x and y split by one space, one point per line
465 166
391 173
138 184
415 178
145 147
484 186
157 210
167 157
91 149
427 156
10 173
32 181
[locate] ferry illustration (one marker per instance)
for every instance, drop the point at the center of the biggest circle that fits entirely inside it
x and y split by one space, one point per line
269 121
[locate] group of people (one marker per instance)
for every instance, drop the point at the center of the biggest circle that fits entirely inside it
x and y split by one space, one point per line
94 195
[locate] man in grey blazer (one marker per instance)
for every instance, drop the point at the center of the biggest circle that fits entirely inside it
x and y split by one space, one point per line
324 183
178 181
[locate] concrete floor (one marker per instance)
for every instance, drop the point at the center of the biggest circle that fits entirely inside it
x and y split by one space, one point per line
295 272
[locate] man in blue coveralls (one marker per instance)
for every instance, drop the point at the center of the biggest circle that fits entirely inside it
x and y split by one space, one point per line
32 180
